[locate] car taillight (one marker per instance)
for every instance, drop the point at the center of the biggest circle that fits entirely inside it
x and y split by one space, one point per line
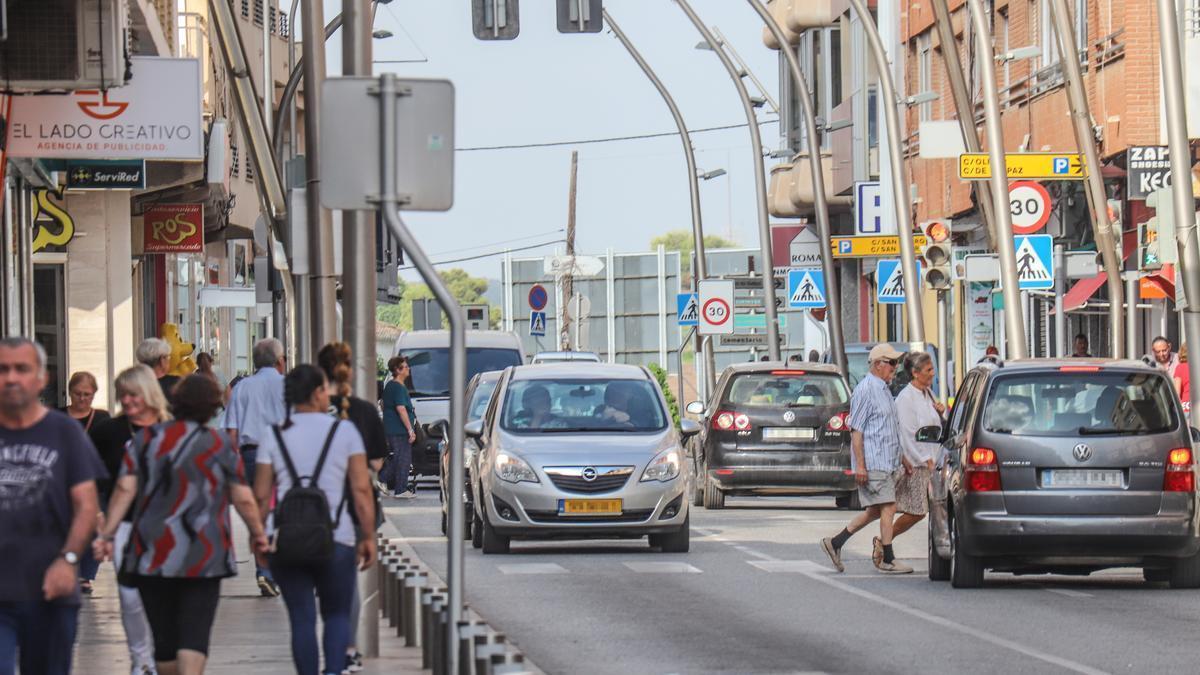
1179 477
741 422
838 422
723 421
983 473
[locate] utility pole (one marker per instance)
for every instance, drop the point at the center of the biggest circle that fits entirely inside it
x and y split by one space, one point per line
1181 180
568 276
1081 122
323 313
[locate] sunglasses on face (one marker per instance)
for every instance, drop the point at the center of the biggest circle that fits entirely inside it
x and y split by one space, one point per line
890 362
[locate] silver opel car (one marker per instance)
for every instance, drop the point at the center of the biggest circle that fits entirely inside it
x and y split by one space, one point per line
579 451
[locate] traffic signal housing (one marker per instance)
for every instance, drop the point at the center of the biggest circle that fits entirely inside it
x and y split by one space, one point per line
937 254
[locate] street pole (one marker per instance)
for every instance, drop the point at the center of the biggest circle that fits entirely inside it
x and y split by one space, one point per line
1131 316
1061 339
1081 123
891 104
833 295
965 110
699 262
1181 180
760 180
458 361
322 311
358 296
943 336
567 287
1014 321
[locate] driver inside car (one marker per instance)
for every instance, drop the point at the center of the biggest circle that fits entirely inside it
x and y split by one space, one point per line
535 412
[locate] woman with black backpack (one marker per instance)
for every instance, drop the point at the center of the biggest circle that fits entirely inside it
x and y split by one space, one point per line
319 467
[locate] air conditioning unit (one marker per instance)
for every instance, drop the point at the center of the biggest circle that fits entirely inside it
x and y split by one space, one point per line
65 45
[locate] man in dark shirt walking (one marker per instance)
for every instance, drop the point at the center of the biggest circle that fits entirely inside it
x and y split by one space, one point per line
48 509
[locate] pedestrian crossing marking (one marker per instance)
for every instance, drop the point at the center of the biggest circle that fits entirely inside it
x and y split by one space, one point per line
806 288
889 279
533 568
790 566
662 568
1033 261
537 323
688 305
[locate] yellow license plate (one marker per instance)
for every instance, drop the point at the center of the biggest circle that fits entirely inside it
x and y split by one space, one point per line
589 507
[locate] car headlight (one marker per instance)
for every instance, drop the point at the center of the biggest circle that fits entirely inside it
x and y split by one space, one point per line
513 469
664 467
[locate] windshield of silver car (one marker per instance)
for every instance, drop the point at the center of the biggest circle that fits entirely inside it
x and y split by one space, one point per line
582 405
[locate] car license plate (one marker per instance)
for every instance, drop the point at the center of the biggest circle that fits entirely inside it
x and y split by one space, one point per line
789 433
589 507
1081 478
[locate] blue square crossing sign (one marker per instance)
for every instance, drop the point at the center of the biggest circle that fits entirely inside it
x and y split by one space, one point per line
806 288
687 306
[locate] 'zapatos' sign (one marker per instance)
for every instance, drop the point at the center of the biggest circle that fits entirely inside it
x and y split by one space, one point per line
173 228
155 116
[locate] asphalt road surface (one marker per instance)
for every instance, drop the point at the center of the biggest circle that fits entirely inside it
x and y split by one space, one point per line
757 595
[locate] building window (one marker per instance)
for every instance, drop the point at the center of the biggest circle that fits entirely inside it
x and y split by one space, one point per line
1051 71
820 54
924 74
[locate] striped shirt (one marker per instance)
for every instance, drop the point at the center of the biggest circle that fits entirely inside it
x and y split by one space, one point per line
873 413
255 405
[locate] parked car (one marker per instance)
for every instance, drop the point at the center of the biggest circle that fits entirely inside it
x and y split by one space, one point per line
562 357
428 353
580 451
1066 466
479 393
774 428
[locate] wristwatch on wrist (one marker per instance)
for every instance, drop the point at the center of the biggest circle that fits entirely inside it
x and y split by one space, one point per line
70 557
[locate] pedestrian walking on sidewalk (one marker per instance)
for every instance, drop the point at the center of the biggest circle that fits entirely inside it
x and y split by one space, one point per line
336 359
875 445
156 354
318 465
82 388
48 512
181 475
400 423
254 406
143 405
916 407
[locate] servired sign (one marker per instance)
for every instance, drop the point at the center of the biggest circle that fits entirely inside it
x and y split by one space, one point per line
173 228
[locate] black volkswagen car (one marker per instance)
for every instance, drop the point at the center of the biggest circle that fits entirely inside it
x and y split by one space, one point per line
774 428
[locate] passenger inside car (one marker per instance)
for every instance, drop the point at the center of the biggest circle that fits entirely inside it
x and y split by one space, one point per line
616 403
536 410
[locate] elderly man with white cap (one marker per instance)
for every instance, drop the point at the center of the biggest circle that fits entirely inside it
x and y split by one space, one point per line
875 446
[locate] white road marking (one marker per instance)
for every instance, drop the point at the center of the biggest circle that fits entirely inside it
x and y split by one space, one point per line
533 568
1068 593
792 566
662 568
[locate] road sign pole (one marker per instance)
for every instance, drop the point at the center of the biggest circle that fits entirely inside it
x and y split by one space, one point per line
1014 323
943 336
1181 184
833 299
760 179
890 103
1081 121
1131 315
1060 289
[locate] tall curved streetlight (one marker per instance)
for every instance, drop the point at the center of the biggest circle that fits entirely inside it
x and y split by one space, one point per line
833 299
760 180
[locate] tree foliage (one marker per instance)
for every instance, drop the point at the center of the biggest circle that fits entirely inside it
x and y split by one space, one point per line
682 241
661 375
465 288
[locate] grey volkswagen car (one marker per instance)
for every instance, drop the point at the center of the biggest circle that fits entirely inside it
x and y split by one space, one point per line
580 451
1065 466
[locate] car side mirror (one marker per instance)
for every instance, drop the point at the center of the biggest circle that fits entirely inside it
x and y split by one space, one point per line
474 429
688 428
929 434
437 429
1195 434
695 408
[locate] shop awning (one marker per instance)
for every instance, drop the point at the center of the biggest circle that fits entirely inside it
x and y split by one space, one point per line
1083 290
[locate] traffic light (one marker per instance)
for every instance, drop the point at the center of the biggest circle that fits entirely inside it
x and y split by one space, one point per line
495 19
937 254
580 16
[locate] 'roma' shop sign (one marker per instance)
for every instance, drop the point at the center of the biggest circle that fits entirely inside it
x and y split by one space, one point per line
155 116
173 228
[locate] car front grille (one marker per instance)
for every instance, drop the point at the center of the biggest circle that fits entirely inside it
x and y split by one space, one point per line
571 478
627 517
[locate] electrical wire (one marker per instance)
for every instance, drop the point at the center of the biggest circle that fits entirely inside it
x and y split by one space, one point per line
504 241
610 139
489 255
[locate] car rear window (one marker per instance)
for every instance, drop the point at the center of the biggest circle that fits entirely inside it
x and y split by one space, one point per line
430 374
1080 403
787 387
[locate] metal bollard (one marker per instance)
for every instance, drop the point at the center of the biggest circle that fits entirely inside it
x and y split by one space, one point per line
390 591
485 646
467 632
440 636
509 663
383 571
411 609
432 600
402 618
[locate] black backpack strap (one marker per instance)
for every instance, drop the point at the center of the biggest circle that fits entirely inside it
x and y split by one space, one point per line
287 458
324 452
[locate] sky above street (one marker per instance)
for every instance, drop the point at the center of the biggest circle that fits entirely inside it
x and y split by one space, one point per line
547 87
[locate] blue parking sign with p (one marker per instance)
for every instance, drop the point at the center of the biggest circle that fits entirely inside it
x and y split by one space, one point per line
1062 165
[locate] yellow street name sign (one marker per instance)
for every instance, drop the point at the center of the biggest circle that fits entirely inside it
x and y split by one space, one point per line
1027 165
873 247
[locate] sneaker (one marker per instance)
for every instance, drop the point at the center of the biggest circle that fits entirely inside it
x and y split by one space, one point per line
407 494
267 587
354 662
143 670
876 551
894 567
835 555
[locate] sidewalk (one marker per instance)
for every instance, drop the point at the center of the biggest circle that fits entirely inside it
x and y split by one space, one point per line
250 635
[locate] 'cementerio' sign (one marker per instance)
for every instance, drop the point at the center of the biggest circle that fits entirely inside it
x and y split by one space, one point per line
155 116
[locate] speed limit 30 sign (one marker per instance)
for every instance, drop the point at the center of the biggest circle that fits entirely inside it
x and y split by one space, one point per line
1029 205
716 307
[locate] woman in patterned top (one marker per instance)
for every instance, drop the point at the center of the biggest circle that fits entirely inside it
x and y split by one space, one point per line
180 477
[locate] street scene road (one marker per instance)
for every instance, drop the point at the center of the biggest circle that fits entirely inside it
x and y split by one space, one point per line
756 594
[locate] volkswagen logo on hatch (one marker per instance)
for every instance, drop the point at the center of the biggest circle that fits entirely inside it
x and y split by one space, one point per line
789 416
1082 452
588 474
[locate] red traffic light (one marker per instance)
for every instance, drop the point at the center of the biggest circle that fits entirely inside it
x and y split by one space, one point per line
937 231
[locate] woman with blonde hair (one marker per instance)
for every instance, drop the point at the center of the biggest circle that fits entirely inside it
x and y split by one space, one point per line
143 405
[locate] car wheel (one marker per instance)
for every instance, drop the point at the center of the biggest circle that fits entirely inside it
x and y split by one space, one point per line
1156 575
939 567
476 530
713 497
1185 573
444 527
493 541
678 541
966 571
698 491
468 520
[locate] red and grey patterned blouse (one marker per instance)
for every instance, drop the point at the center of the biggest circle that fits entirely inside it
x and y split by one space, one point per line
181 515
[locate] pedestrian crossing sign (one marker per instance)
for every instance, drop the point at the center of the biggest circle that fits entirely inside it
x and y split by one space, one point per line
688 309
1035 266
889 281
806 288
537 323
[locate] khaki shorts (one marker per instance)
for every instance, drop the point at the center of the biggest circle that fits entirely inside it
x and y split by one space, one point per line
880 488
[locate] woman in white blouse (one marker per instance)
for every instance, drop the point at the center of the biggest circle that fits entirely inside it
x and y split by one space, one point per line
916 407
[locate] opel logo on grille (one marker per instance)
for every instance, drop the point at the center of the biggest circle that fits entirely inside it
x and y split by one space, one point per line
789 416
588 474
1082 452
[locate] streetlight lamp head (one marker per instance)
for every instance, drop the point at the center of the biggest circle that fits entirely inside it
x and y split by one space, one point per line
1019 53
382 34
923 97
709 175
758 101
